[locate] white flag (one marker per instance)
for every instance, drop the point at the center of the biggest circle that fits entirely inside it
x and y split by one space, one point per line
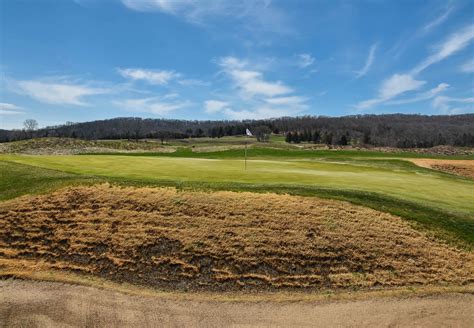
248 133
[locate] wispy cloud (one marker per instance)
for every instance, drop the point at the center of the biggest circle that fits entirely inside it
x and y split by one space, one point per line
158 77
368 62
401 83
193 83
438 20
455 43
444 105
10 109
392 87
257 15
58 93
152 105
214 106
422 96
249 82
304 60
468 67
257 97
258 113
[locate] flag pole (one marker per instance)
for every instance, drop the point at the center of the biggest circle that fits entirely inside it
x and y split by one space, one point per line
245 154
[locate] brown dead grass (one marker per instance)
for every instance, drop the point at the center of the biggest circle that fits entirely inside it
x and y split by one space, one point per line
458 167
223 241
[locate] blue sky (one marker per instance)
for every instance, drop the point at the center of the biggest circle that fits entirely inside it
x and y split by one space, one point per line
81 60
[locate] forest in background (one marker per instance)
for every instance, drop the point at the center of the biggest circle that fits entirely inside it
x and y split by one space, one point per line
394 130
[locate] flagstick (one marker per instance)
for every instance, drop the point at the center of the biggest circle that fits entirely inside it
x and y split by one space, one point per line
245 154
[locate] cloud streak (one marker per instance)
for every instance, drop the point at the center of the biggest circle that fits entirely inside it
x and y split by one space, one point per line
256 15
443 104
396 85
157 77
455 43
215 106
468 67
57 93
368 62
152 105
251 83
422 96
10 109
437 21
304 60
256 97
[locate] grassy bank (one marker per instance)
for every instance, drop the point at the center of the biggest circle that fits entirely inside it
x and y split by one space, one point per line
18 179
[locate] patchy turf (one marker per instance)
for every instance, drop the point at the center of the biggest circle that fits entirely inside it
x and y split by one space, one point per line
223 240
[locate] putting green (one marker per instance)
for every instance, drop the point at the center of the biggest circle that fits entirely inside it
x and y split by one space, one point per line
401 181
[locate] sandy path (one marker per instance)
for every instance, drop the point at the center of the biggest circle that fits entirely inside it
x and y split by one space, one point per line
47 304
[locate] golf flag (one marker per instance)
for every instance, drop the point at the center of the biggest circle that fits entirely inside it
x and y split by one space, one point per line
249 133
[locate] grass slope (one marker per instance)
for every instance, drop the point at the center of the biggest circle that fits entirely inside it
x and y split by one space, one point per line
279 153
18 179
399 180
190 240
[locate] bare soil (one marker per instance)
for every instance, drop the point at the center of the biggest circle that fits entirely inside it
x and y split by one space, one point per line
458 167
47 304
223 241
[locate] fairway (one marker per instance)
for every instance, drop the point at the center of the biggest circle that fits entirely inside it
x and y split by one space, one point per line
395 178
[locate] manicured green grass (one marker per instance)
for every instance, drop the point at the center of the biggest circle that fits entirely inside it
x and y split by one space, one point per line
403 181
18 179
278 153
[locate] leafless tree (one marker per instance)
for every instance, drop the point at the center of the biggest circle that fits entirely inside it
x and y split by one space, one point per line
29 126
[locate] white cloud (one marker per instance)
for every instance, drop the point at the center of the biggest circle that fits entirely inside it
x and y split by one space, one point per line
258 113
468 67
396 85
257 97
58 93
422 96
257 15
10 109
215 106
153 105
251 83
304 60
193 83
369 61
443 105
159 77
294 102
437 21
456 42
8 106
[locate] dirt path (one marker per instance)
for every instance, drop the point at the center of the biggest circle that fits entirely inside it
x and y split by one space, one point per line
47 304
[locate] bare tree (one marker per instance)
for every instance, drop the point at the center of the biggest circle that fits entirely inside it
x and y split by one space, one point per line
29 126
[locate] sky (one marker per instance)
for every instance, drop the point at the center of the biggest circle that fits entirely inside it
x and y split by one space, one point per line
83 60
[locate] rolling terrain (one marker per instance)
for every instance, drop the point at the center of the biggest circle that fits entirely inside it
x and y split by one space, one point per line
192 220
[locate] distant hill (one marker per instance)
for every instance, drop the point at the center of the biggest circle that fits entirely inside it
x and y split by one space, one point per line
395 130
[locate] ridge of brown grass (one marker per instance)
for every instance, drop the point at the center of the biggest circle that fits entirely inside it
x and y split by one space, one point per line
182 240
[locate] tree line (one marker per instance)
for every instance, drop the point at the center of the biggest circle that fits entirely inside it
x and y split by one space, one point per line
395 130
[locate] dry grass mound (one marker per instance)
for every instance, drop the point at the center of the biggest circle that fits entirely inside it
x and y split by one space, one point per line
223 240
67 146
458 167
